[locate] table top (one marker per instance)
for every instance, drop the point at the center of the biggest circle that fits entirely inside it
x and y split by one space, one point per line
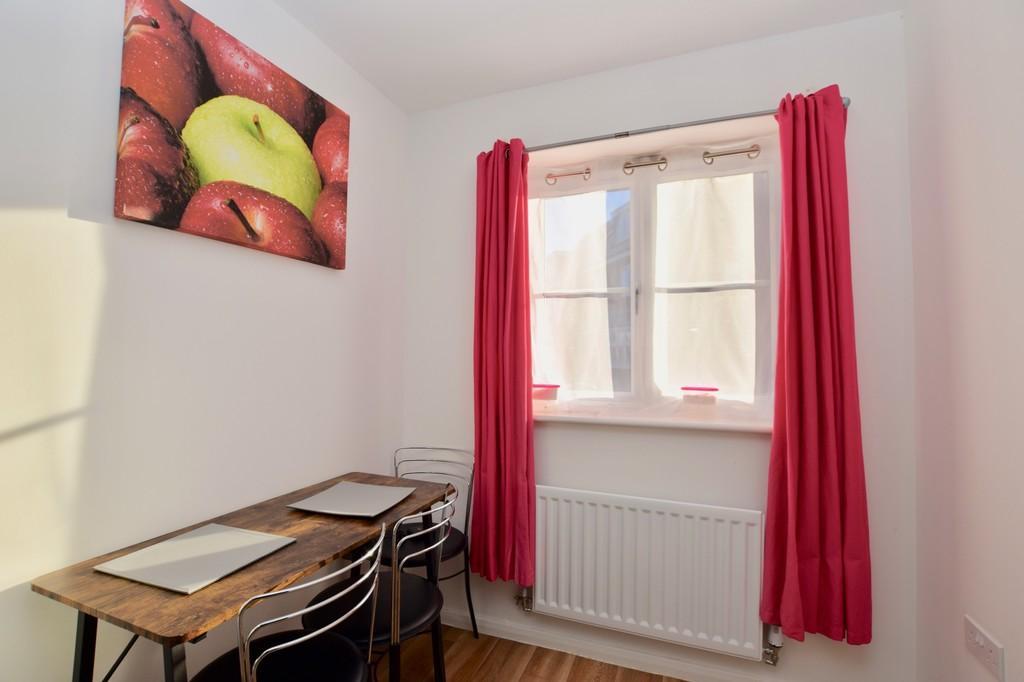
170 618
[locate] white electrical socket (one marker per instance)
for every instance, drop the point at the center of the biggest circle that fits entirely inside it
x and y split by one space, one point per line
985 648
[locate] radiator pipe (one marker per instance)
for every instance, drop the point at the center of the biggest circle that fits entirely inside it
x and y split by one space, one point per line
525 599
772 644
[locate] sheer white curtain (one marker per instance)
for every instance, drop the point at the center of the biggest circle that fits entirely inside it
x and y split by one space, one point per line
569 280
704 302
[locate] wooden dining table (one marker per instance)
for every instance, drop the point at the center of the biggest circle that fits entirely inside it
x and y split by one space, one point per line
172 619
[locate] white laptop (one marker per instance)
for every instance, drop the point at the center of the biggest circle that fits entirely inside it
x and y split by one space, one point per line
354 499
189 562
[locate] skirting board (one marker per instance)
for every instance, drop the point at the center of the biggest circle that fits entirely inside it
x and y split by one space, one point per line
616 655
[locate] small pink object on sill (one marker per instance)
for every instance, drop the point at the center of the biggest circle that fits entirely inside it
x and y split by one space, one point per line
701 395
545 391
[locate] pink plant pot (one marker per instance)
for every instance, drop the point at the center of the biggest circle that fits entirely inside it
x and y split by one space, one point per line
545 391
701 395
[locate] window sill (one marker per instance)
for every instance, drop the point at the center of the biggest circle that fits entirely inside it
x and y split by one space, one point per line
698 417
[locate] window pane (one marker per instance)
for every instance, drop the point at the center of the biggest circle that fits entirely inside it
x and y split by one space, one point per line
580 241
582 344
705 339
705 231
620 339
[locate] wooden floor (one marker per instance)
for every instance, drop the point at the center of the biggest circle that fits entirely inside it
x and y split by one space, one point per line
489 659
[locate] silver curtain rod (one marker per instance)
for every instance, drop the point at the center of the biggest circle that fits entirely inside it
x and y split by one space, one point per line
658 129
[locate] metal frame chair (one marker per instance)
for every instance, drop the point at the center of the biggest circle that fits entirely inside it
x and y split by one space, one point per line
371 559
413 604
458 466
440 529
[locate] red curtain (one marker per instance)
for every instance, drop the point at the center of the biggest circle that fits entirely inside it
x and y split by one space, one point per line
503 531
817 568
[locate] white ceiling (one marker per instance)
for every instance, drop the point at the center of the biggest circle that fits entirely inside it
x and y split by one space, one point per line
428 53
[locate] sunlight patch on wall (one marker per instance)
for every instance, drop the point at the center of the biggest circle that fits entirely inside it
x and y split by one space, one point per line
51 295
39 495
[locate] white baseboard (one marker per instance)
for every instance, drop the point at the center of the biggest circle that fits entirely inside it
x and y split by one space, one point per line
615 655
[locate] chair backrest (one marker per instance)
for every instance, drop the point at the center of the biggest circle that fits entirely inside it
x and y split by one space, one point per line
448 465
364 587
435 532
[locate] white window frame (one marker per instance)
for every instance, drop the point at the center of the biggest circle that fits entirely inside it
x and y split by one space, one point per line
644 404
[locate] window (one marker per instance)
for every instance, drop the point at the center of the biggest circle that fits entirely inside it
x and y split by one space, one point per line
648 282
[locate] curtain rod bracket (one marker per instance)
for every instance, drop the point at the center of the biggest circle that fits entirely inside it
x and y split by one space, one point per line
752 152
630 166
552 178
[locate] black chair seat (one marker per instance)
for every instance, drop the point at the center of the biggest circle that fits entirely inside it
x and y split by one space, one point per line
453 546
327 657
421 606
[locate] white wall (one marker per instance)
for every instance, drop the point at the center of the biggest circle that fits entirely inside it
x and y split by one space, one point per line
150 379
866 58
966 145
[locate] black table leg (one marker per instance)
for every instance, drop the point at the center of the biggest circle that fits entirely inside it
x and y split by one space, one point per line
174 663
85 648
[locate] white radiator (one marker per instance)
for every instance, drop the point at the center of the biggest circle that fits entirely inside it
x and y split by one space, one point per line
685 573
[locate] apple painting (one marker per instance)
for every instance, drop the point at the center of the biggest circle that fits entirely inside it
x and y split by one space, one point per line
216 141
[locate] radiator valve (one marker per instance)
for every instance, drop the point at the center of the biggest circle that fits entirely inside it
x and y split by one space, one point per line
773 643
525 599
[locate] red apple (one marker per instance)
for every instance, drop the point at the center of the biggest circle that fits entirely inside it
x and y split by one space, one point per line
330 221
155 177
160 61
330 147
240 214
184 12
331 110
238 70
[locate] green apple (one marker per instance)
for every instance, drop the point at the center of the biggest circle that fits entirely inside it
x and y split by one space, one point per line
235 138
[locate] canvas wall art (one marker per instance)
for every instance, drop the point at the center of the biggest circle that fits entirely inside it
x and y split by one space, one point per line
214 140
